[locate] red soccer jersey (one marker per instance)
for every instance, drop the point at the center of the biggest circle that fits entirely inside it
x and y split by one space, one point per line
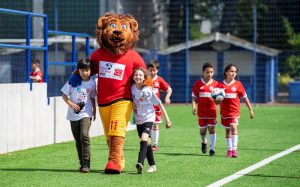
159 84
114 71
38 74
206 106
230 106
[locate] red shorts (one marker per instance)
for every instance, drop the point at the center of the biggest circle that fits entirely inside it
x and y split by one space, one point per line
158 114
207 122
227 122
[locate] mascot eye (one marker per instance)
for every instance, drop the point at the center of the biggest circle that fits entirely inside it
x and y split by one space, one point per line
113 25
123 26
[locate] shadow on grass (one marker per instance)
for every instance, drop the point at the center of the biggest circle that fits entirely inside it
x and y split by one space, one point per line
272 176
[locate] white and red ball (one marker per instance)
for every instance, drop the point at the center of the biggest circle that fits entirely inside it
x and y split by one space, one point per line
218 94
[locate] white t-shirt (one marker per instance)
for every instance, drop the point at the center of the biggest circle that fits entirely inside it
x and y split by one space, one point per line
143 101
82 93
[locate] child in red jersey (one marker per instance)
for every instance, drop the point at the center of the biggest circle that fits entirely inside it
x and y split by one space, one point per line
159 85
36 74
207 112
230 107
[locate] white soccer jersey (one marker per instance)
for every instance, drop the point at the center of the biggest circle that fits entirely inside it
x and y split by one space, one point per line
143 101
82 93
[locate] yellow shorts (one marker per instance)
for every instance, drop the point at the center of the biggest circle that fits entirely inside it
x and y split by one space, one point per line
115 118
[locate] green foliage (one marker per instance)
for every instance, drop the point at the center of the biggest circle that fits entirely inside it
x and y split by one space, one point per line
293 61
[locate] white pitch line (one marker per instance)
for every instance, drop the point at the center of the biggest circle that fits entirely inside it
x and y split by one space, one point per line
253 167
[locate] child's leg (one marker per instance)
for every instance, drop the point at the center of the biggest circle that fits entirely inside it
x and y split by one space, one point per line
234 139
143 148
228 139
85 124
203 134
149 155
75 127
212 137
155 134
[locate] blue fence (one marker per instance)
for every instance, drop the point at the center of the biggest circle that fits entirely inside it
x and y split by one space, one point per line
258 36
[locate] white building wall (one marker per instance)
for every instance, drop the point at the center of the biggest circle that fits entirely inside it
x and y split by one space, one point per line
198 58
28 121
242 59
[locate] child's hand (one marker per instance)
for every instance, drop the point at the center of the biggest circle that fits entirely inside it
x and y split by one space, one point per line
74 107
217 102
94 115
251 114
168 124
194 111
167 101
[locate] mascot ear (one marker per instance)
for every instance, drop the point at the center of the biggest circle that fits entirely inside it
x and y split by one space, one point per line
102 21
133 23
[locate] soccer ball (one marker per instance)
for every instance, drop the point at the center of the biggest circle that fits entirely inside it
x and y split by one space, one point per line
218 94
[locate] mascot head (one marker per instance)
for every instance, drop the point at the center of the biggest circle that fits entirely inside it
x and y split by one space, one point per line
117 33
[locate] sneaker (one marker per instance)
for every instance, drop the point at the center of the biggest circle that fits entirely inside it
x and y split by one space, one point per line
154 147
139 168
229 153
152 169
234 154
203 148
85 166
211 152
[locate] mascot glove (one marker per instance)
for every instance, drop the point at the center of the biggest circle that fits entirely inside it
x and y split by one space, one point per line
75 80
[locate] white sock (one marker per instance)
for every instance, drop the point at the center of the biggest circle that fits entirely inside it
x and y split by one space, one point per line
203 138
155 134
234 139
212 138
229 143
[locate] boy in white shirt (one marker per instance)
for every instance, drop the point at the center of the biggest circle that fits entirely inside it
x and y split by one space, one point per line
144 113
81 110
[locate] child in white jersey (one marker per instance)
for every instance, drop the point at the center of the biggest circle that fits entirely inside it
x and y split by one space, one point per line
144 113
82 108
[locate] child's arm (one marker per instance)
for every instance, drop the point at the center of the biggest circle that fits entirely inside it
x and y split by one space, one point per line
70 103
168 122
93 100
168 95
249 107
194 108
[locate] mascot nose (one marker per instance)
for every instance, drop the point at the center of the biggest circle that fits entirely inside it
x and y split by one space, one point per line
117 32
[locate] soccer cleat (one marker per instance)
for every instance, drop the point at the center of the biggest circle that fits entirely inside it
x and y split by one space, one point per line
151 169
139 168
234 154
204 148
154 147
229 153
211 152
112 168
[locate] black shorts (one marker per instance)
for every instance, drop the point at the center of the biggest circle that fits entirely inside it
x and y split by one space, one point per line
144 128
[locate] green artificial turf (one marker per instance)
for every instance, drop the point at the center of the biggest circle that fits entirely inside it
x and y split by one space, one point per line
179 159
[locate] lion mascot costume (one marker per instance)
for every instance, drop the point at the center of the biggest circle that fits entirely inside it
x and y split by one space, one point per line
114 62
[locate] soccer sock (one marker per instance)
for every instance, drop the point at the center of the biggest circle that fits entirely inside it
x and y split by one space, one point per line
203 138
143 152
212 140
155 134
150 157
234 139
229 143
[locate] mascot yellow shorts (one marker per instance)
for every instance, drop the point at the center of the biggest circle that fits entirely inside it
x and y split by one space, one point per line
115 118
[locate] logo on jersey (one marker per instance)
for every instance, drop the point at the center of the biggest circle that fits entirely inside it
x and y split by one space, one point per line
211 88
111 70
156 84
233 89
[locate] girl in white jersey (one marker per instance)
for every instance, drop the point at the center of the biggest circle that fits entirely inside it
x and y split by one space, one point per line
144 113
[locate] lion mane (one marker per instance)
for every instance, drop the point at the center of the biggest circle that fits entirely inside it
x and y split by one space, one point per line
117 33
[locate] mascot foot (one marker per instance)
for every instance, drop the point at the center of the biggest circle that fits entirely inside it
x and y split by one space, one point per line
112 168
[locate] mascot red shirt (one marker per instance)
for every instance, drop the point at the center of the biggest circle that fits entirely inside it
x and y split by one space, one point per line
114 71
